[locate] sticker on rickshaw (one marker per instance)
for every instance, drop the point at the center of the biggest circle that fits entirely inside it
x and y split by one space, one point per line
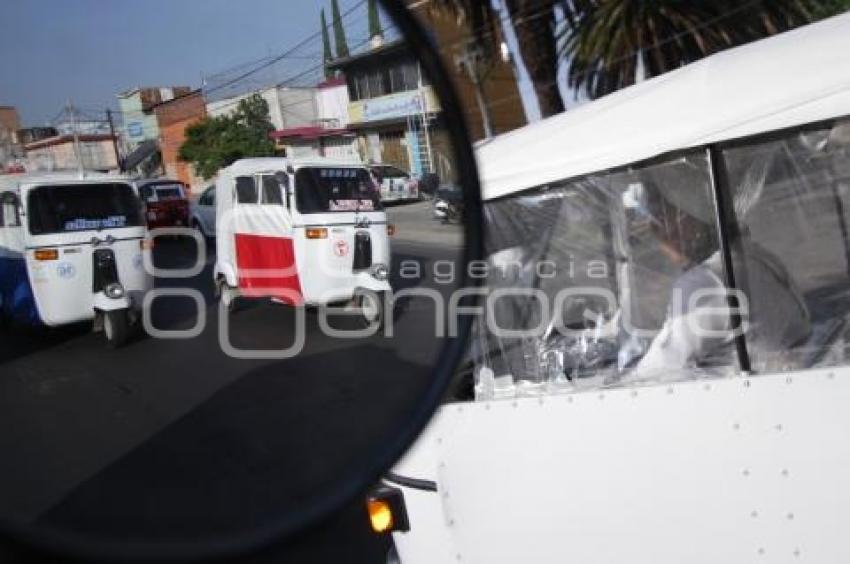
351 205
340 248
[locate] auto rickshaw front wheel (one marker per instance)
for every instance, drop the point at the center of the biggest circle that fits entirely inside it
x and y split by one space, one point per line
371 307
116 327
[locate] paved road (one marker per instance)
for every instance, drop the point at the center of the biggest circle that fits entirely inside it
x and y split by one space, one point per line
173 439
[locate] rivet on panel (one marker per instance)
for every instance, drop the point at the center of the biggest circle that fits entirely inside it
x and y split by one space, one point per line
736 426
670 390
634 393
602 396
831 375
761 551
487 406
754 514
778 426
570 399
790 516
515 404
785 472
746 472
706 387
796 552
540 401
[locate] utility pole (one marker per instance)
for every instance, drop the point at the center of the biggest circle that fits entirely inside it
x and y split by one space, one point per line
114 140
77 152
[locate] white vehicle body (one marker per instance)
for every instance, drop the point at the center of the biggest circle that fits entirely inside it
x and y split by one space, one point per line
686 466
203 212
296 243
48 259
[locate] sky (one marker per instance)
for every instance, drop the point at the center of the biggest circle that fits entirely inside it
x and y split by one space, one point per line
87 51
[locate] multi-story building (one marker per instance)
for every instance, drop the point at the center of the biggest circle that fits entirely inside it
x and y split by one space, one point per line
395 112
392 109
328 135
173 117
138 120
288 106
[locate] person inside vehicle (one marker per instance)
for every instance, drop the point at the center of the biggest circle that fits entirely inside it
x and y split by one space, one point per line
697 331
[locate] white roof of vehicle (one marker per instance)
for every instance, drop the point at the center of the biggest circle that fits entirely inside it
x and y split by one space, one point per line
14 181
790 79
253 166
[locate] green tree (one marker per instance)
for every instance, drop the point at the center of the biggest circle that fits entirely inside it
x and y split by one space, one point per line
827 8
326 46
215 142
609 44
339 31
374 20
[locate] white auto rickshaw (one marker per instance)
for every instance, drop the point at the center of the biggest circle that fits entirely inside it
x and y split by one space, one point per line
71 250
302 232
607 422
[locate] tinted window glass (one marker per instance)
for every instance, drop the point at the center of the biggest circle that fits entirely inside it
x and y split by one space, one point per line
272 192
78 207
319 190
246 190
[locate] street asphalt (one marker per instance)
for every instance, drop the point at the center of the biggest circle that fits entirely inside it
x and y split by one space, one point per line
173 440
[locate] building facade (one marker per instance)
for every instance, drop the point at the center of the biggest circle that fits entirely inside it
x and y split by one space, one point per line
96 152
139 123
329 135
392 109
10 148
288 106
173 117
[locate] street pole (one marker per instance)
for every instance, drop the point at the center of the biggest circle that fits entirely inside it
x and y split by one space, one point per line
77 152
114 140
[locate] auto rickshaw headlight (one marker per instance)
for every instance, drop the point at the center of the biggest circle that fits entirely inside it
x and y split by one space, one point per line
380 272
114 291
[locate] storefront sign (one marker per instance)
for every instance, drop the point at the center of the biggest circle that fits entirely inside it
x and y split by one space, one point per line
395 106
135 129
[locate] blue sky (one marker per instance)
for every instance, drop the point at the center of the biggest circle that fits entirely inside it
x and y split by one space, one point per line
89 50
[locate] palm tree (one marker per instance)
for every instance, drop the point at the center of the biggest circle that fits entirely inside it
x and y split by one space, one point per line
610 44
534 23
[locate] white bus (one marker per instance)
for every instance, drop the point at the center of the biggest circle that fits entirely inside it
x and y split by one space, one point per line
609 423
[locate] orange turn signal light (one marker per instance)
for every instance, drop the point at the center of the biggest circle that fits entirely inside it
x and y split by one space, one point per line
317 233
380 515
390 229
46 254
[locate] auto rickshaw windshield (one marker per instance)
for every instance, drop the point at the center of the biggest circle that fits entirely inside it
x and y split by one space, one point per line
324 190
80 207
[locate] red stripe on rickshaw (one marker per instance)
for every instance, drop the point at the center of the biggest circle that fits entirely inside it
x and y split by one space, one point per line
265 264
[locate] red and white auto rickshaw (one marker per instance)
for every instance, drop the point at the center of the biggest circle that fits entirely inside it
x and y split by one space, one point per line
165 202
304 232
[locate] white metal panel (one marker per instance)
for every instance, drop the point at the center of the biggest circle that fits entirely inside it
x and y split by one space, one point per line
734 470
790 79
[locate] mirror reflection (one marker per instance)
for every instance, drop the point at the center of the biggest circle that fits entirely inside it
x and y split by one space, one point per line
221 298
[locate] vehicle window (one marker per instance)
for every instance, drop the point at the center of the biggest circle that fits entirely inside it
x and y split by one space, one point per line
246 190
392 172
147 193
322 190
9 214
208 197
169 192
625 261
272 191
78 207
792 206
